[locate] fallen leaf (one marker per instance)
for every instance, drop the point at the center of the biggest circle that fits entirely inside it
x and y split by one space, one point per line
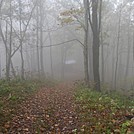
25 129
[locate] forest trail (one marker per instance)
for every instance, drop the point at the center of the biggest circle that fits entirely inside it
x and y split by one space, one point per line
49 111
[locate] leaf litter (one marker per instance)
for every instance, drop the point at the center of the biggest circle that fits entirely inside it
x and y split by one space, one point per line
56 110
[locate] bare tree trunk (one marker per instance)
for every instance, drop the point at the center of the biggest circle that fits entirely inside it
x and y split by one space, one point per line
90 56
85 51
128 49
96 43
63 59
117 50
10 46
22 61
102 60
41 39
21 41
8 68
51 56
28 59
90 63
113 71
13 70
0 66
95 22
96 63
7 48
37 41
0 32
133 45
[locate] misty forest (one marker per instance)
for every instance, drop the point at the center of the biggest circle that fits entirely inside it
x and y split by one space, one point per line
66 66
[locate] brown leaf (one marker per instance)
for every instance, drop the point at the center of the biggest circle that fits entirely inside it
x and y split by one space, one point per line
56 125
25 129
47 116
7 126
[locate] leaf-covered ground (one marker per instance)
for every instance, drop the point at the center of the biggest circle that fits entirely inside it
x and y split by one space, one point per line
50 110
12 94
64 109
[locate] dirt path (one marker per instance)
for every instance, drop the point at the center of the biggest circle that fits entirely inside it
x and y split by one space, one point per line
50 111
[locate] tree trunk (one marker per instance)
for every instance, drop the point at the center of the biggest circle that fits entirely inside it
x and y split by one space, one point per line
85 51
128 49
21 42
41 40
117 50
96 63
8 68
22 61
51 56
102 59
7 48
63 59
96 44
113 67
10 46
0 66
133 45
13 70
37 41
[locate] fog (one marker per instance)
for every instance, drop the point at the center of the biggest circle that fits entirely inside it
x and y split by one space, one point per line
56 38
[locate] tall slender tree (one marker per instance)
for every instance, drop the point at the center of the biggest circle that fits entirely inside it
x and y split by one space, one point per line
86 31
117 49
129 45
37 38
20 40
41 10
95 22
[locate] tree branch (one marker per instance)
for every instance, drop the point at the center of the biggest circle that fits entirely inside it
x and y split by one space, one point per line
100 13
65 43
90 21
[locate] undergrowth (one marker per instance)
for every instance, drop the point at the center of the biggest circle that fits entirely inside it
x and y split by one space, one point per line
103 113
14 92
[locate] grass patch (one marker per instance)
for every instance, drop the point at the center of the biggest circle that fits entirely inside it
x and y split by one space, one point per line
101 112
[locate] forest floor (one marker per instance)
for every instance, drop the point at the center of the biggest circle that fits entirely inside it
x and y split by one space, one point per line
50 110
63 110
